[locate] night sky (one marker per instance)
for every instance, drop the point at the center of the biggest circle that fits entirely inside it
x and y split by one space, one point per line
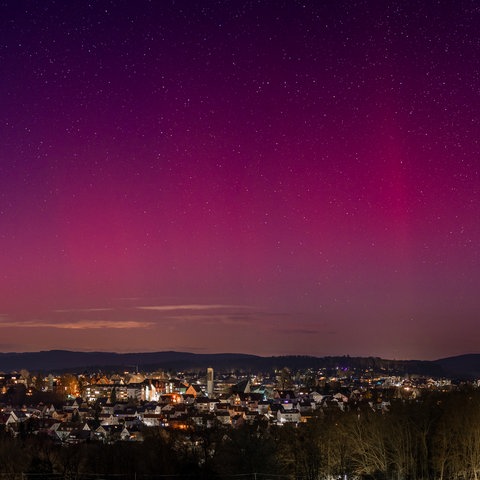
269 177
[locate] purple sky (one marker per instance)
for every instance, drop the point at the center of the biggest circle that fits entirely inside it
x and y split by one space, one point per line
276 177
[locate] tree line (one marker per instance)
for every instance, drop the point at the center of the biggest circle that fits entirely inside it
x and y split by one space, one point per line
437 438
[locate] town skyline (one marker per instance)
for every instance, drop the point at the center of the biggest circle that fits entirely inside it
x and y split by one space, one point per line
135 413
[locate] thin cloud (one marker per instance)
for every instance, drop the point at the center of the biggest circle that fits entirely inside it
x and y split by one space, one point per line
298 331
81 325
83 310
212 319
169 308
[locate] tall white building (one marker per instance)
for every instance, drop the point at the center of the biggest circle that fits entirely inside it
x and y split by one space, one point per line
210 382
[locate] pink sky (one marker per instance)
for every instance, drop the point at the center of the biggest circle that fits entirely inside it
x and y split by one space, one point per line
241 178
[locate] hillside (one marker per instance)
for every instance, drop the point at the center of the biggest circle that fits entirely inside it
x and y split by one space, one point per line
467 366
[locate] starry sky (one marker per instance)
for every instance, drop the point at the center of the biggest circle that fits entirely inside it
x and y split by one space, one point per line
269 177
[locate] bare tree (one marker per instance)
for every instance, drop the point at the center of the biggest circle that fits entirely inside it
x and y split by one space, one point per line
367 435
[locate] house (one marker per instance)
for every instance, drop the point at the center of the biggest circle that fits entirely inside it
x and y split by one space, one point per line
125 434
152 419
152 407
47 411
250 416
241 387
306 406
72 405
237 420
181 422
194 390
135 391
291 415
285 397
44 426
100 433
198 419
63 430
223 417
316 397
5 421
79 436
106 419
136 434
204 404
112 432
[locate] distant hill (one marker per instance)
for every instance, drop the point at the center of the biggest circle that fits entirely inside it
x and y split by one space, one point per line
464 366
64 360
